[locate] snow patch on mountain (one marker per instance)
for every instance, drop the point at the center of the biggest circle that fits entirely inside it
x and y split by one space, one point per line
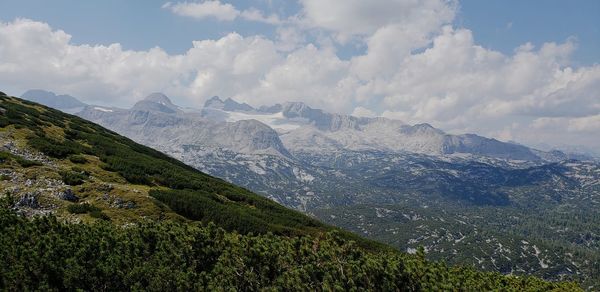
274 120
103 109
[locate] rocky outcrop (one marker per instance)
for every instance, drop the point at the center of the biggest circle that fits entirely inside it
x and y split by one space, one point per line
28 200
67 195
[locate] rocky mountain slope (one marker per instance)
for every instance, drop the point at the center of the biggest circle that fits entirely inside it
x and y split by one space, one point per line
156 122
304 129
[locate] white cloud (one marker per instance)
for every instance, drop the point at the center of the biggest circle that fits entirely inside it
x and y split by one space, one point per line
457 84
588 124
360 111
254 14
32 55
220 11
309 74
200 10
358 18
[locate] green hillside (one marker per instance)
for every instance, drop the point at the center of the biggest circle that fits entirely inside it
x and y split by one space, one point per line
85 208
95 161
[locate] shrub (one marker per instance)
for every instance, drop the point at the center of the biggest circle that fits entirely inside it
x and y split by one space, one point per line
4 156
27 163
99 215
73 178
79 159
50 255
82 208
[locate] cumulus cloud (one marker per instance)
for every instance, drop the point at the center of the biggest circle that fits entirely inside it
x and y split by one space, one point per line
219 11
254 14
589 124
32 55
316 76
360 111
204 9
357 18
458 85
417 67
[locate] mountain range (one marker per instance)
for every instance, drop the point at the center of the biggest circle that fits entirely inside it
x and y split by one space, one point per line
468 199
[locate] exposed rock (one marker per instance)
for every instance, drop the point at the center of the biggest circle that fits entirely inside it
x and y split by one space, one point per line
118 203
105 188
9 145
29 199
130 205
68 195
122 204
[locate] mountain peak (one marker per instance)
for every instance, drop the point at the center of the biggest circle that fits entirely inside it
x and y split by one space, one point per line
159 98
295 106
299 109
271 109
51 99
227 105
232 105
213 102
156 102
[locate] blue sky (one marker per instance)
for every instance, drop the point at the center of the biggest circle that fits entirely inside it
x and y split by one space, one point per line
527 71
503 25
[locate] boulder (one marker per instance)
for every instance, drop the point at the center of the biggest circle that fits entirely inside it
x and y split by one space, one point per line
68 195
29 199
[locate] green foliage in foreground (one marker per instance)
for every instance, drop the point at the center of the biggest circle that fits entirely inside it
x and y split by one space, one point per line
79 159
73 178
84 208
45 254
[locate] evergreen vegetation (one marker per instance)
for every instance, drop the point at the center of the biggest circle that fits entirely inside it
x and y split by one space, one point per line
45 254
79 159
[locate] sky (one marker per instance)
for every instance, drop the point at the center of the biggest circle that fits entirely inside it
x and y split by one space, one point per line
524 71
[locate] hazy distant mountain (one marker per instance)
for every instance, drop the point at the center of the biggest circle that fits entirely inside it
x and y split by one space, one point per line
572 151
227 105
65 103
304 129
300 129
